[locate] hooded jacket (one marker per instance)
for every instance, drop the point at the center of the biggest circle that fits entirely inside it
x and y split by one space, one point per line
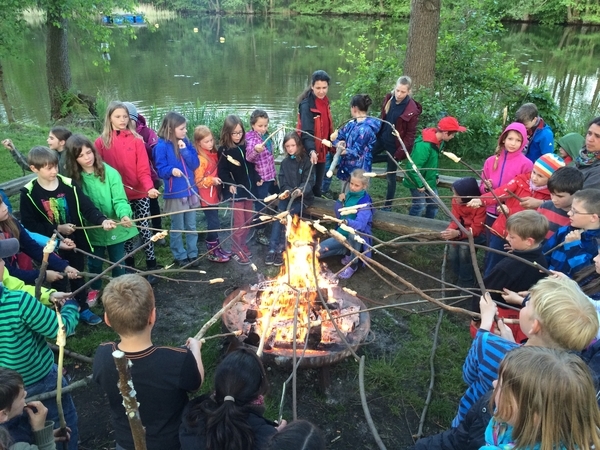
509 164
541 142
572 143
406 124
204 176
425 153
166 161
360 137
470 218
127 154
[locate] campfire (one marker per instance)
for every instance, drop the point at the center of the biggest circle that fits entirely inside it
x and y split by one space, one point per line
268 308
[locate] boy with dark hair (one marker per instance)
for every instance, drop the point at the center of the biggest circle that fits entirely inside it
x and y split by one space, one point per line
541 137
526 231
473 219
162 376
25 324
574 246
52 202
562 185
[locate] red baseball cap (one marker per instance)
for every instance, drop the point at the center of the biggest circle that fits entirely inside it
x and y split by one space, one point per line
450 123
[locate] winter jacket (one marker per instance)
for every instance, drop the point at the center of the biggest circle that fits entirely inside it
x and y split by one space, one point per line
166 161
13 283
35 251
520 186
426 152
204 176
509 164
571 143
127 154
297 174
242 175
360 137
540 143
591 173
79 205
309 120
471 218
406 125
362 221
150 140
109 197
572 256
264 162
468 435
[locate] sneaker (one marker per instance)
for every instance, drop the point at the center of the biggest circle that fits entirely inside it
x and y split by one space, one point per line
262 238
195 262
89 317
346 273
181 262
240 258
92 298
278 261
152 280
250 234
346 259
270 258
386 209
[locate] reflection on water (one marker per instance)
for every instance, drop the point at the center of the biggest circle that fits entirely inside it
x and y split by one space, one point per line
240 63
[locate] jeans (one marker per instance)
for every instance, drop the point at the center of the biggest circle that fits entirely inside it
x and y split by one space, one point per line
492 259
380 155
332 247
115 253
212 223
277 241
180 220
421 201
326 180
459 258
47 384
262 191
242 217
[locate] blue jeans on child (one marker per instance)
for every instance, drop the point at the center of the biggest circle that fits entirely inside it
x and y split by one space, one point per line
115 253
332 247
47 384
459 258
180 220
277 241
493 258
262 191
422 201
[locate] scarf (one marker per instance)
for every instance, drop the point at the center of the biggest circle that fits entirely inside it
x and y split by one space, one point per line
538 126
322 104
586 158
535 188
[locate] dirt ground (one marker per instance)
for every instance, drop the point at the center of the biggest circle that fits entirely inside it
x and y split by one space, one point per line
184 307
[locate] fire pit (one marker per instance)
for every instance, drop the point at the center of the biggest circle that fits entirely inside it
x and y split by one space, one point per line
267 309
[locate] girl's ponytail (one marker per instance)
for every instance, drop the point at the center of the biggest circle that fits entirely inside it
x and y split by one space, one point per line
497 154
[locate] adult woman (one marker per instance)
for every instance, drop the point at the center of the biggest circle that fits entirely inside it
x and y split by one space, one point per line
588 160
314 118
401 110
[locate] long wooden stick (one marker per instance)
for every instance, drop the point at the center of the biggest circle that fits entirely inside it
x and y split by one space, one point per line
50 394
61 340
48 248
129 400
72 354
219 313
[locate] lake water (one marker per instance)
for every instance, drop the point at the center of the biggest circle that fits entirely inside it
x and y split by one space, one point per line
240 63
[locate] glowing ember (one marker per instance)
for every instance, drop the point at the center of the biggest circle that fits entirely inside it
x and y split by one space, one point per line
275 301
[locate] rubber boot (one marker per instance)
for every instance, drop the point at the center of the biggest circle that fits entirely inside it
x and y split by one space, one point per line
213 252
221 250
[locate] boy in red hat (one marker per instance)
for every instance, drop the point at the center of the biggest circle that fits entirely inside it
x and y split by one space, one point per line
426 154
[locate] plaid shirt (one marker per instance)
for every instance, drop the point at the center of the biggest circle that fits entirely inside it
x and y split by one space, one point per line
264 162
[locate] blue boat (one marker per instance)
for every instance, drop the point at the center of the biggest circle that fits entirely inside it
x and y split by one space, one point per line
123 19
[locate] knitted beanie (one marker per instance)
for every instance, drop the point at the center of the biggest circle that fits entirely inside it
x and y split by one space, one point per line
547 164
466 188
132 110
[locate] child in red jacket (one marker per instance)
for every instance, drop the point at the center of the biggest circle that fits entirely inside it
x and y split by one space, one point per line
512 197
459 256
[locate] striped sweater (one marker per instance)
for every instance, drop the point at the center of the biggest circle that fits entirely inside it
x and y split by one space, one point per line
481 368
24 326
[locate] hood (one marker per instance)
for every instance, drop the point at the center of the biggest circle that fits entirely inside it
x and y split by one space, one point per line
373 124
429 136
572 143
519 128
466 188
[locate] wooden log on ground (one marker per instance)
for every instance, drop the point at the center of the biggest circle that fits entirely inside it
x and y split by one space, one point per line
12 187
392 222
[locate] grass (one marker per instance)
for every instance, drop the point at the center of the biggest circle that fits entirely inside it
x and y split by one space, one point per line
398 372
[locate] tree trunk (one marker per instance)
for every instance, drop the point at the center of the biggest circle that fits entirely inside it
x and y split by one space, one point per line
4 96
58 70
424 26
